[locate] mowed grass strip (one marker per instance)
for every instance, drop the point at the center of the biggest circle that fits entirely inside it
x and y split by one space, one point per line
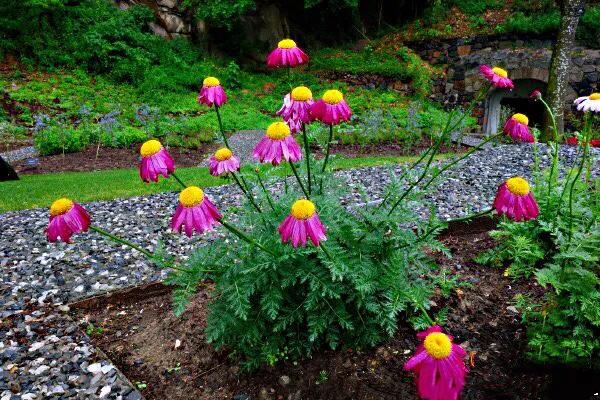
41 190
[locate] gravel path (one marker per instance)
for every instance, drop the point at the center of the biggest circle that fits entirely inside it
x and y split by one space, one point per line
43 354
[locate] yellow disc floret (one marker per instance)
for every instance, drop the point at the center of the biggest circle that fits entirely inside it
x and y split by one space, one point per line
150 148
438 345
278 131
500 72
301 93
333 97
303 209
595 96
521 118
518 186
286 44
191 196
211 81
60 206
223 154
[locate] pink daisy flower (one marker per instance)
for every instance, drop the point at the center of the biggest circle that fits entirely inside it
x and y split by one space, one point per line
195 212
589 103
517 127
278 144
302 223
515 200
223 162
66 218
287 54
497 76
332 108
438 366
155 161
296 108
212 93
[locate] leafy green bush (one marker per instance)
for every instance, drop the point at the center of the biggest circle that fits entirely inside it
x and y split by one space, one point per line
124 137
588 31
58 139
531 23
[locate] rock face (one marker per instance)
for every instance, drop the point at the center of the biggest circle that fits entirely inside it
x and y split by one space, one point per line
171 20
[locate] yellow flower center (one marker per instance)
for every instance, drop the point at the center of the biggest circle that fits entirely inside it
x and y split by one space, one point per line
521 118
301 93
60 207
211 81
150 148
191 196
500 71
438 345
278 131
333 97
303 209
595 96
223 154
518 186
286 44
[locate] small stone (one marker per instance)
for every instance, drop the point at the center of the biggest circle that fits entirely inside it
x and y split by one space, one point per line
104 391
284 380
95 368
512 309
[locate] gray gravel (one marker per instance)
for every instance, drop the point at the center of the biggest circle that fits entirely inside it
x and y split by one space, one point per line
43 353
19 154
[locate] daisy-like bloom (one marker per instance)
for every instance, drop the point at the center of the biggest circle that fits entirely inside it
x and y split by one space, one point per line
278 144
195 212
223 162
331 109
212 92
302 223
515 200
156 160
296 108
438 365
517 127
497 76
287 54
66 218
589 103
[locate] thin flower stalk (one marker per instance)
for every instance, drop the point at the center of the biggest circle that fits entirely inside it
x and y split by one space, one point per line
265 191
221 127
307 151
295 171
246 192
245 237
327 151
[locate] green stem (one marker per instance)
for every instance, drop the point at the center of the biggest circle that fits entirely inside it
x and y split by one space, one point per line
221 127
178 180
472 216
327 151
586 147
327 253
553 166
299 180
307 151
266 192
247 193
245 237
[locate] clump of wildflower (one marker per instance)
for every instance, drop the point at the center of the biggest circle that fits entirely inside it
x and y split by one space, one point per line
331 109
287 54
301 224
515 200
155 161
195 212
66 219
212 93
517 127
277 145
497 76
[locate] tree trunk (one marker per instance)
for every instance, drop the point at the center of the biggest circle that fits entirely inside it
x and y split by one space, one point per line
570 11
7 173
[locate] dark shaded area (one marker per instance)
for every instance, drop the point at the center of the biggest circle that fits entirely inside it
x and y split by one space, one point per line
7 173
534 110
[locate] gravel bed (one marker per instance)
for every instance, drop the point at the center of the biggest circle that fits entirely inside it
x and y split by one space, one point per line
43 353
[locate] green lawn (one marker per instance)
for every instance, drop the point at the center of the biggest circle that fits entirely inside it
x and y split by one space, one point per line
41 190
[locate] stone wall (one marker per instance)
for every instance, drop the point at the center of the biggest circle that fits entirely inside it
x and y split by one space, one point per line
171 21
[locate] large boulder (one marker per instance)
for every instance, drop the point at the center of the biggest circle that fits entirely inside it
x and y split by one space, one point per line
7 173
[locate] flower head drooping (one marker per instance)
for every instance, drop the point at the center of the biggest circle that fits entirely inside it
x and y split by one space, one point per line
223 162
296 108
156 160
195 212
515 200
438 366
287 54
66 218
212 93
331 109
589 103
303 222
535 95
517 127
278 144
497 76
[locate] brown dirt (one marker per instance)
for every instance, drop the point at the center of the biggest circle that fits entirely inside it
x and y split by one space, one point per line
110 158
140 331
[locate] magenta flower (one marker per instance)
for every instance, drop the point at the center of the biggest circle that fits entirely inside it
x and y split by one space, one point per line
296 108
497 76
536 94
155 161
302 223
223 162
438 366
66 218
195 212
287 54
212 93
515 200
332 108
517 127
278 144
